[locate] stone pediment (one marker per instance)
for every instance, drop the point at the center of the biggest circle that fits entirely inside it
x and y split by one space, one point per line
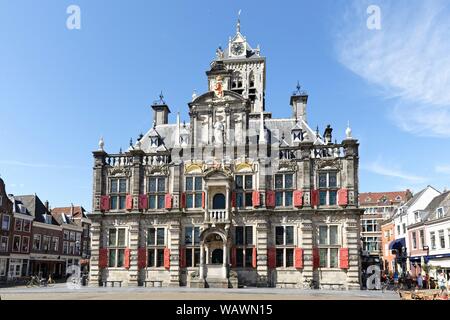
210 98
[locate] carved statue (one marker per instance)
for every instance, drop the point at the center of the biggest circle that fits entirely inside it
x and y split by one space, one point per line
218 132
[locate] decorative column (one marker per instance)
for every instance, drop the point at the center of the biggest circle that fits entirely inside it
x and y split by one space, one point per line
133 246
227 204
174 255
95 272
261 261
224 261
202 260
307 244
352 240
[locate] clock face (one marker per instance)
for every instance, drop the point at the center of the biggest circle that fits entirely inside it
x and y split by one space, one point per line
237 48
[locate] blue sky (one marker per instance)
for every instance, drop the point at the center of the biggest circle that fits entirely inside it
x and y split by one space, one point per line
61 89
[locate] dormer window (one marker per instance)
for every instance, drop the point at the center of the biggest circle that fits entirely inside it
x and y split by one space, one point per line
154 141
297 135
440 213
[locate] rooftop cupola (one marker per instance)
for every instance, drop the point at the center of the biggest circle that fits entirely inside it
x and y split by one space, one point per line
299 99
160 111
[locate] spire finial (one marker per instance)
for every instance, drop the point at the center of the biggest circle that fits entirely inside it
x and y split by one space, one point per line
298 86
101 144
238 25
348 131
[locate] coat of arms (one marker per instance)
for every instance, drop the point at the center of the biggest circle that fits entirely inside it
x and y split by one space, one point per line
218 87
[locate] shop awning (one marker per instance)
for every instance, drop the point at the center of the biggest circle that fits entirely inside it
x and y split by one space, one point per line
397 244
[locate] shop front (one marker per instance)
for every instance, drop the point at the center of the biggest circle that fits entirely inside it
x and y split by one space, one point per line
44 266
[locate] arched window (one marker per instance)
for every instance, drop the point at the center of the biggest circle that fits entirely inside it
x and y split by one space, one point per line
251 80
237 80
219 201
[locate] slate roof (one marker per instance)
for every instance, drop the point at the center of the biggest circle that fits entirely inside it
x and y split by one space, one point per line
442 200
375 198
35 207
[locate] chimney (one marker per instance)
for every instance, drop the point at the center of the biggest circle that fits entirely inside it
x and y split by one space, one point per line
47 205
160 111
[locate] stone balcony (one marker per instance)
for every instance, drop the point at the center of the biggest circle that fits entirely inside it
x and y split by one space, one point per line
217 216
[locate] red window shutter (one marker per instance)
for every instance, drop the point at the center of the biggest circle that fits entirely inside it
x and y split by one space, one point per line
256 199
143 202
104 203
299 258
343 258
142 258
166 258
233 257
182 257
129 202
127 259
233 199
203 200
343 197
271 258
314 198
270 199
298 198
103 258
316 258
168 201
254 258
183 200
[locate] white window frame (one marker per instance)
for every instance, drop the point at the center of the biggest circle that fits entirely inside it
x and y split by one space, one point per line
37 236
9 222
3 269
117 247
7 242
21 245
283 189
330 246
192 247
327 188
157 193
55 245
243 190
155 247
118 194
285 246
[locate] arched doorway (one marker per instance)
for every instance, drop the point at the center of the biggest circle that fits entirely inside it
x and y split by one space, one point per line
217 256
219 201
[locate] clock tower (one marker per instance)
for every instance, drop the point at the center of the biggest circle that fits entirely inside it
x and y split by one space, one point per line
247 68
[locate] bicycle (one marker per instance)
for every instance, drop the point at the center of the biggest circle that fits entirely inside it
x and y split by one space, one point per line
50 282
33 282
311 283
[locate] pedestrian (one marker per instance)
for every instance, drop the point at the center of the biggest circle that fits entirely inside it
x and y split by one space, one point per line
420 281
395 277
442 282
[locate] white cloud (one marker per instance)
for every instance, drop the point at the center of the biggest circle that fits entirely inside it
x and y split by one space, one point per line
407 60
445 169
392 171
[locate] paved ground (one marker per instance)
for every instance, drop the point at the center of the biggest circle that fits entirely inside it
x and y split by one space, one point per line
62 292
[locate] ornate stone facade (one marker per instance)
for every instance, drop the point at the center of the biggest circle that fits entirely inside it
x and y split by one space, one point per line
232 198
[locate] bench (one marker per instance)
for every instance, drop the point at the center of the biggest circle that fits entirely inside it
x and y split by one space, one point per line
152 283
112 282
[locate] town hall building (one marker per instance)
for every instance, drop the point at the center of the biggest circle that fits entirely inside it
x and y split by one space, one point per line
232 198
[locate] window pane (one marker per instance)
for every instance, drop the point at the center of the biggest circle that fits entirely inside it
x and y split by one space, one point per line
121 240
238 180
196 257
120 258
198 200
152 202
323 198
248 199
112 258
160 237
151 237
239 235
322 180
289 257
161 184
151 258
189 257
152 184
198 183
288 181
333 195
288 198
197 235
334 235
248 182
113 202
188 235
160 202
333 180
334 263
113 185
122 185
278 181
122 202
248 257
323 235
160 258
112 237
239 258
289 235
279 199
189 184
279 258
323 257
190 200
279 231
249 235
239 200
